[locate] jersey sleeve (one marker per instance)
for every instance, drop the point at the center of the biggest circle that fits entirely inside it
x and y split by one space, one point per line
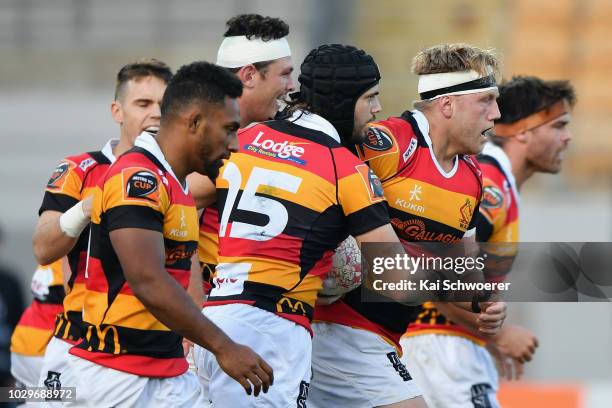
134 197
360 194
493 209
388 146
63 189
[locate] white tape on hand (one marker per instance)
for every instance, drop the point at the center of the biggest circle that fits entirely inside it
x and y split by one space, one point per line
73 221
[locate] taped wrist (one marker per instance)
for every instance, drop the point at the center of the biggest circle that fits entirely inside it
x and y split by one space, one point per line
73 221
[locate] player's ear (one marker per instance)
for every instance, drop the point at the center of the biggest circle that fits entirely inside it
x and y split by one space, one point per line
195 120
117 112
247 75
523 137
445 106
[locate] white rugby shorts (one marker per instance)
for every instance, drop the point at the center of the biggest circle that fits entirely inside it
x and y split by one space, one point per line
452 371
283 344
356 368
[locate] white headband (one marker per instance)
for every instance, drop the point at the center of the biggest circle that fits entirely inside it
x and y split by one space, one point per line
455 83
239 51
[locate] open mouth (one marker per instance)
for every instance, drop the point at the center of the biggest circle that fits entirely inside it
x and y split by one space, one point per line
488 132
152 129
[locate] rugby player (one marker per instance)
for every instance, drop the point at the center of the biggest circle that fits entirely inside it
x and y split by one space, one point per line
433 189
144 233
63 225
37 323
255 48
529 137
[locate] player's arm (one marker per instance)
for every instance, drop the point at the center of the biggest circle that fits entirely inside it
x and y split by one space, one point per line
56 233
195 288
202 189
488 321
141 254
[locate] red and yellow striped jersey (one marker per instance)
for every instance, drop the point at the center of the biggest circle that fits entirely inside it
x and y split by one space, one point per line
72 181
286 200
208 245
37 323
426 203
498 221
138 191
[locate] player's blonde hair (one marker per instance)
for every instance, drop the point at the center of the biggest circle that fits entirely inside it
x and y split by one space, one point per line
454 58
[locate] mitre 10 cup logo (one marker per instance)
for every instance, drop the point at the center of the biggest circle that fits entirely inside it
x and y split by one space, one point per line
58 178
140 185
378 140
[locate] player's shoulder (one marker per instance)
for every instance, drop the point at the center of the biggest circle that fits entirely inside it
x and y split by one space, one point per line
388 137
491 169
74 167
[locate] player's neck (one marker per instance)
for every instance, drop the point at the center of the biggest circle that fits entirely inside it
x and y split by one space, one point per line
521 169
125 144
175 154
442 147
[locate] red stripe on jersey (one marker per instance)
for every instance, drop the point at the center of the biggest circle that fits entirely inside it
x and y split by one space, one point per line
210 220
341 313
139 365
96 279
40 315
288 252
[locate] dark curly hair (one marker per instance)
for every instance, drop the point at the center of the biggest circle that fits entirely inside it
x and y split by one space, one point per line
525 95
256 26
199 81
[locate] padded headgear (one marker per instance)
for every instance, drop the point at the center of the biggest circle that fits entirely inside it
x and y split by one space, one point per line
332 78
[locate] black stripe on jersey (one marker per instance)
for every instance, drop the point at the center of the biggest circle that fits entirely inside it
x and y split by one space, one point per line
179 253
56 202
151 343
102 249
394 316
77 255
270 298
100 159
292 129
54 297
486 159
134 216
409 117
326 232
71 320
484 229
368 218
429 316
298 224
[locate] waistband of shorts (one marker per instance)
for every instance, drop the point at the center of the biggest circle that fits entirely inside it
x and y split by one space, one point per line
443 329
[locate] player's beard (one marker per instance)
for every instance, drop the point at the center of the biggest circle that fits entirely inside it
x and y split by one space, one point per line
210 165
212 168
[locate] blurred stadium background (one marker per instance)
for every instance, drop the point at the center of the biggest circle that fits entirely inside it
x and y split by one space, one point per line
59 58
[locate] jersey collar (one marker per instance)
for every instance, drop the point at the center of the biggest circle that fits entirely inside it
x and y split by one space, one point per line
423 124
496 152
315 122
147 141
107 150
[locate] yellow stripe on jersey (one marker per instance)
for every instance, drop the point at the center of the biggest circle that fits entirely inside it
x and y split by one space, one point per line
428 201
259 270
74 299
125 311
